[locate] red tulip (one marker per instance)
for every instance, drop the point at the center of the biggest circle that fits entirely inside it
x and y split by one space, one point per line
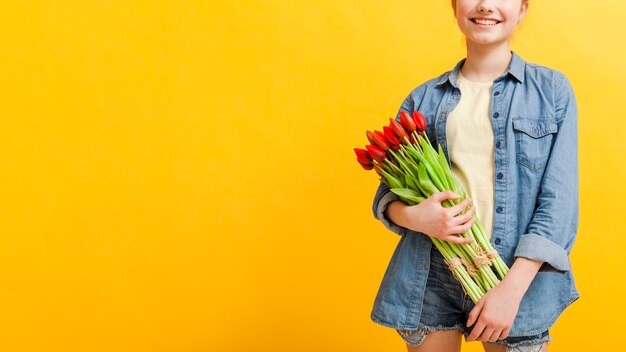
420 121
397 129
407 121
363 156
366 166
391 138
376 153
370 137
380 140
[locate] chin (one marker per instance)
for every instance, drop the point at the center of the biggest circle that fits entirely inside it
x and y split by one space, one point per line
485 41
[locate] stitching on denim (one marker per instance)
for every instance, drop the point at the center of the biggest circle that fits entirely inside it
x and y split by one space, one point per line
412 302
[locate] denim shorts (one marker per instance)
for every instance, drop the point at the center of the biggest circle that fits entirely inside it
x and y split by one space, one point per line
447 307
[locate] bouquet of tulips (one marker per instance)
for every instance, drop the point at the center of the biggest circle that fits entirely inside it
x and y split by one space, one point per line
404 158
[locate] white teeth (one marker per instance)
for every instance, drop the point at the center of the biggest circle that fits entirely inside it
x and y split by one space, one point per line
485 22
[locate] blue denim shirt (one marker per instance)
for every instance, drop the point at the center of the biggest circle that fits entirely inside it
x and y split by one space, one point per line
534 119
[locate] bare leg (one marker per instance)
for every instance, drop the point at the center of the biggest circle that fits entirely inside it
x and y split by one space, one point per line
500 348
439 341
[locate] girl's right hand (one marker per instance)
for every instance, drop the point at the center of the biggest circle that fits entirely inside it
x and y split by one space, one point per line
432 219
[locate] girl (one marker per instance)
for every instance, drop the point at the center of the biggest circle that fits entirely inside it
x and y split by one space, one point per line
509 129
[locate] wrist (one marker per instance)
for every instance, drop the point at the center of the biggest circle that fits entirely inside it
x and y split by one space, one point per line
515 288
521 275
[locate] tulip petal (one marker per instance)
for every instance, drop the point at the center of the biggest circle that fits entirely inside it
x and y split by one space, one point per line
362 155
380 140
397 129
376 153
391 137
407 121
420 121
366 166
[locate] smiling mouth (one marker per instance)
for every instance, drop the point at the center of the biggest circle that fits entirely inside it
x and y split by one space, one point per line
484 22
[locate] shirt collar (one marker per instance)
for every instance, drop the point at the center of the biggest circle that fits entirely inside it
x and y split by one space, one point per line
515 69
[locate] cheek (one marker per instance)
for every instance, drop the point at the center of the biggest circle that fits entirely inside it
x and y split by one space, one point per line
464 7
463 10
513 13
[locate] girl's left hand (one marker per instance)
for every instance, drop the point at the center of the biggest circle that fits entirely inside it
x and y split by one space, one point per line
494 313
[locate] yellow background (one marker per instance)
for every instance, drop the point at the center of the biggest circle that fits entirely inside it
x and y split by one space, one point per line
179 175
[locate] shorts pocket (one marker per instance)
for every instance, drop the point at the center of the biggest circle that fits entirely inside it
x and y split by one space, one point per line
533 140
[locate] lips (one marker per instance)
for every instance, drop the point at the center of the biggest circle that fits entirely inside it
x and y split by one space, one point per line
485 21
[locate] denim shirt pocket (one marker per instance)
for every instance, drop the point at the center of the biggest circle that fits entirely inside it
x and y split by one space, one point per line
533 140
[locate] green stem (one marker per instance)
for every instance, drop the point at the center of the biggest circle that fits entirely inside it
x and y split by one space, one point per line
498 263
401 162
394 167
470 287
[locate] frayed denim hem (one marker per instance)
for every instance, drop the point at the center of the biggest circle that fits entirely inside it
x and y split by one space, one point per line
519 346
525 344
416 337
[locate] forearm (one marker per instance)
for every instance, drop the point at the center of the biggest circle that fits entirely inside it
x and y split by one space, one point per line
382 199
521 275
395 212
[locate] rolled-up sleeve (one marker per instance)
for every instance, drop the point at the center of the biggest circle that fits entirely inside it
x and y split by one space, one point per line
382 199
554 225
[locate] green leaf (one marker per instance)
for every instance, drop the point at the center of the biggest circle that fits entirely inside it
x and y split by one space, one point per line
425 181
417 155
409 194
432 165
412 183
453 183
392 181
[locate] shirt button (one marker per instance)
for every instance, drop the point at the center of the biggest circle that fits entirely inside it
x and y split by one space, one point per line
496 93
496 115
498 241
499 210
498 144
500 176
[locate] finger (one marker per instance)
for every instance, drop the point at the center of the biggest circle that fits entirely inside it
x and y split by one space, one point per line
457 209
476 331
458 239
475 312
463 218
504 334
462 228
494 336
445 195
486 334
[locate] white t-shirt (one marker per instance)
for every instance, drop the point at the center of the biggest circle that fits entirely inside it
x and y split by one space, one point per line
470 147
